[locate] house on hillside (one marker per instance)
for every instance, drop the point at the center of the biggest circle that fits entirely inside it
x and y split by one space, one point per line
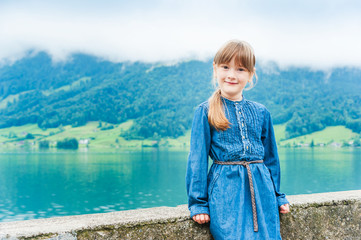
84 141
335 144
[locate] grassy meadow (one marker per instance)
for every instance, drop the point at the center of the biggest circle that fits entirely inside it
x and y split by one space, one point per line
93 137
329 136
88 136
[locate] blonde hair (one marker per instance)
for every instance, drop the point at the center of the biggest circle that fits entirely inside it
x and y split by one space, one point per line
244 56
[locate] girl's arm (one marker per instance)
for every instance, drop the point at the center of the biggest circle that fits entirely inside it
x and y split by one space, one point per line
197 166
271 157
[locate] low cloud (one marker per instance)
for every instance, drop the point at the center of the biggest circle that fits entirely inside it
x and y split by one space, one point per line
166 31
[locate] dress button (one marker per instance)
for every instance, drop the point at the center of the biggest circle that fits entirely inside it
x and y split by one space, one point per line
243 137
242 125
247 147
239 112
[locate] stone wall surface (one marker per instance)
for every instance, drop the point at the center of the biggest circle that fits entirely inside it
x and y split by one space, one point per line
335 215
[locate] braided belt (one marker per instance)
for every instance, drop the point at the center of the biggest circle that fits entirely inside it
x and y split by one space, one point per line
246 164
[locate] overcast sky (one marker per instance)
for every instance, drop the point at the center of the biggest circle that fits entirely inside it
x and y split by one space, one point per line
320 34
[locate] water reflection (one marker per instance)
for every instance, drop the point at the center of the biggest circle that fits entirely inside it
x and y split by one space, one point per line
47 184
319 170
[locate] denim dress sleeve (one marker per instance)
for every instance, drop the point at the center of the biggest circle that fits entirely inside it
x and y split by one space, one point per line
271 159
197 166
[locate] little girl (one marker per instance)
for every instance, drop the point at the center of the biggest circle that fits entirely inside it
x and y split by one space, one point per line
240 195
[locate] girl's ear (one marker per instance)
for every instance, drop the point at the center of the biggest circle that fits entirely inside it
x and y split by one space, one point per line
251 77
214 68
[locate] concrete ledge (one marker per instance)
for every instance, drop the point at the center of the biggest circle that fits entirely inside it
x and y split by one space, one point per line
334 215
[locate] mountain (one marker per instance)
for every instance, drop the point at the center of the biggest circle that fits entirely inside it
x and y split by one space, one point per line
161 97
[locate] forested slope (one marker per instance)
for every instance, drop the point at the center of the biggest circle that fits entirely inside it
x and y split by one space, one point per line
161 98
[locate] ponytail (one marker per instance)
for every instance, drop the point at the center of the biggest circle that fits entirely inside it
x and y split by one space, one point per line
216 116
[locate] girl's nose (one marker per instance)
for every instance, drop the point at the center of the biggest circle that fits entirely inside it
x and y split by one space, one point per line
231 74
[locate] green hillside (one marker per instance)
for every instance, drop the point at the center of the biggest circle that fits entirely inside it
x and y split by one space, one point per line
68 87
94 137
89 136
159 99
327 136
11 99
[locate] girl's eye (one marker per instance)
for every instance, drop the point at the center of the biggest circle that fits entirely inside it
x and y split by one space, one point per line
240 69
225 67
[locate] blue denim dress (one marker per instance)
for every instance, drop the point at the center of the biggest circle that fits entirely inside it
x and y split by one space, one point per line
224 192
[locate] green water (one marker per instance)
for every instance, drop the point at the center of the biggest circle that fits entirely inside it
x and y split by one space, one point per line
49 184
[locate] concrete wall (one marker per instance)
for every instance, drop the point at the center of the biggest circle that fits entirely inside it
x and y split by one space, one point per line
334 215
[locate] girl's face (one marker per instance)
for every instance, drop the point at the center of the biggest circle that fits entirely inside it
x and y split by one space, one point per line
232 79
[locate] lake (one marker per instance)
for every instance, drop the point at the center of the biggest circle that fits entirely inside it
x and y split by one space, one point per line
48 184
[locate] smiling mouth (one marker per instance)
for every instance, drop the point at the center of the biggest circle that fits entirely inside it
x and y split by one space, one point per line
231 83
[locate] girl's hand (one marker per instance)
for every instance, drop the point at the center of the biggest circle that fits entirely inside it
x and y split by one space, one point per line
201 218
285 208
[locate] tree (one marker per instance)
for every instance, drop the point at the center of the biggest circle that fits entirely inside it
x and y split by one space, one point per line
357 143
29 136
68 143
44 144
